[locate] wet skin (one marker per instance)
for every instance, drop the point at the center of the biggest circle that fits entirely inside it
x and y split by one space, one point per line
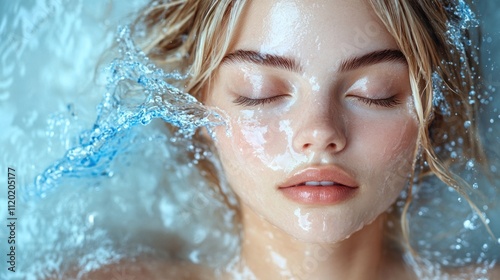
319 89
295 101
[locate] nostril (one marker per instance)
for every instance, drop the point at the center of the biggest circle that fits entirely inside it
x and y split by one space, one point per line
325 138
331 146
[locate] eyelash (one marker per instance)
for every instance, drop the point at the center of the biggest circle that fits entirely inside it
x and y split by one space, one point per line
249 102
389 102
245 101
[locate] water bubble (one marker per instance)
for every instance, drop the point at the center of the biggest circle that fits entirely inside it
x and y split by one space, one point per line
90 219
467 124
468 224
485 247
470 164
493 168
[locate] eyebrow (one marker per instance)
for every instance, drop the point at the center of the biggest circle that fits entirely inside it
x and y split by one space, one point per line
371 58
272 60
290 64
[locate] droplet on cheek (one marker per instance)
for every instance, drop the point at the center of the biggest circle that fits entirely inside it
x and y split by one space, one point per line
229 132
303 220
289 159
254 136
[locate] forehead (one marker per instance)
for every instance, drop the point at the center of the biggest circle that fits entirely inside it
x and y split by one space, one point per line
322 31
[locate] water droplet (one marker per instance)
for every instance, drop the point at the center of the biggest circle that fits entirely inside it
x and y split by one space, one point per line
485 247
91 219
493 168
468 224
470 164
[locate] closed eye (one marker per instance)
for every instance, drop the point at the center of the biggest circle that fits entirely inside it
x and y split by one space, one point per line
389 102
245 101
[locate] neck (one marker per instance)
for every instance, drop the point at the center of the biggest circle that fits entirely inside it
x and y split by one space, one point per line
271 253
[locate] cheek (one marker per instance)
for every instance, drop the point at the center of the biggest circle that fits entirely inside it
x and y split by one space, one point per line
246 148
389 150
259 143
254 138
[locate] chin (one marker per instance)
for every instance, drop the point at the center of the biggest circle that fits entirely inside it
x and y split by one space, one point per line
326 229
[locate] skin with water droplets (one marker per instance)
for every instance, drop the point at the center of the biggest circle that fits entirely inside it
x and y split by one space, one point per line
316 115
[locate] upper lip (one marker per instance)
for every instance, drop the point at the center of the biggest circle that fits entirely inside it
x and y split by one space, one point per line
318 174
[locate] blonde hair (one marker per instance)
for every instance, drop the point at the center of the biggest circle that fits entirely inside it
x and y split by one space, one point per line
189 35
444 65
193 36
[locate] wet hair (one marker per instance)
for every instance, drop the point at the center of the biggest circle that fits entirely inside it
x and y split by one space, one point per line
193 36
436 38
188 35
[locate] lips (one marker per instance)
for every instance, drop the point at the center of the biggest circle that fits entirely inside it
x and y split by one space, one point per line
321 183
326 185
326 176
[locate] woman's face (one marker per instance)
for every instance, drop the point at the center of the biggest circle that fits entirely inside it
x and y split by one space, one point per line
321 132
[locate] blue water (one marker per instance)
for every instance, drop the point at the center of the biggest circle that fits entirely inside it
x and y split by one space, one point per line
137 93
102 178
94 157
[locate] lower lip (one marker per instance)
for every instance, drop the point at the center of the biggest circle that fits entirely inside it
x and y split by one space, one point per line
319 195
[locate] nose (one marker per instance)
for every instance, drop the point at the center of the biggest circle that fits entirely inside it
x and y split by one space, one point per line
322 129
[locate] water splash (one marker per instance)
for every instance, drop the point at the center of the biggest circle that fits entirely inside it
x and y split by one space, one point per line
127 97
137 93
438 99
70 221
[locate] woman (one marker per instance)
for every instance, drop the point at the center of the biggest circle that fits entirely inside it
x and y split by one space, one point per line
329 109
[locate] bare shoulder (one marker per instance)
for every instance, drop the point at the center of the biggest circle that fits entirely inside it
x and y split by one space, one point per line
147 268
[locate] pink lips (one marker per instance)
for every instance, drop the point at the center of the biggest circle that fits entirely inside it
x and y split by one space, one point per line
325 185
